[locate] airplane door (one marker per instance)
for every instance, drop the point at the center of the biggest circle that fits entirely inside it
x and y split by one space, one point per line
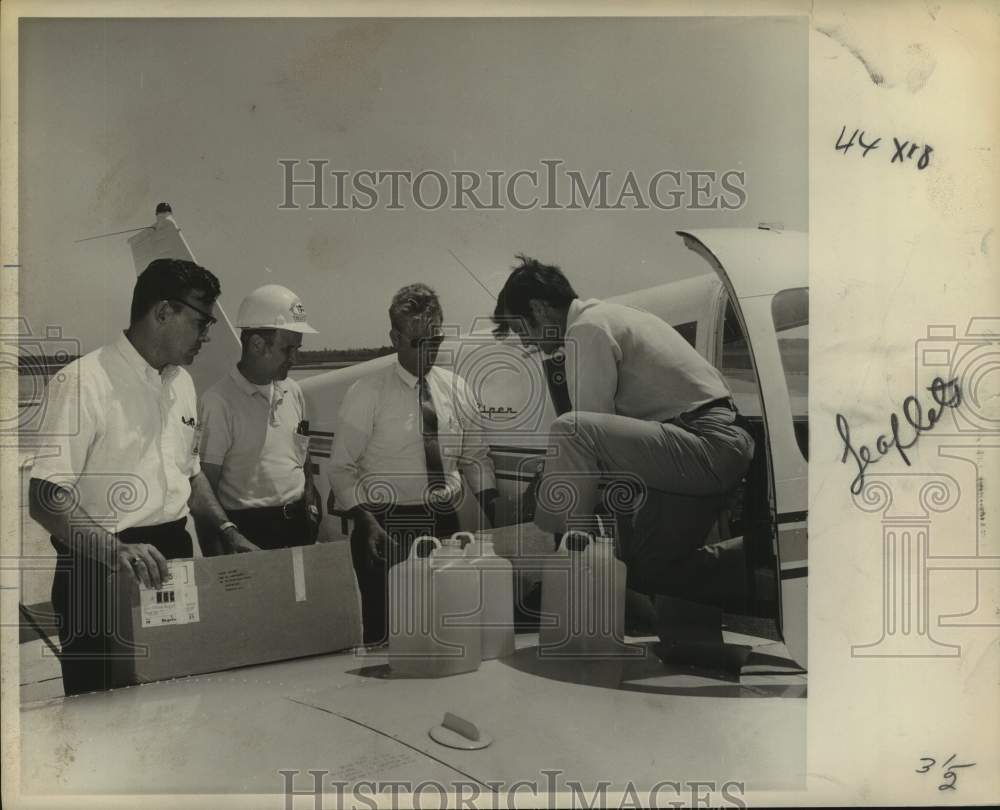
766 276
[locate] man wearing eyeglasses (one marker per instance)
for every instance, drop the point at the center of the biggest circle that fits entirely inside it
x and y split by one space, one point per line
402 449
120 470
255 440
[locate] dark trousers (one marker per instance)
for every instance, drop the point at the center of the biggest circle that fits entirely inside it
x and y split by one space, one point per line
402 524
82 597
271 527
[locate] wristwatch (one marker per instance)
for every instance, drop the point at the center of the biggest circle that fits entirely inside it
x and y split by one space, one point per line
227 525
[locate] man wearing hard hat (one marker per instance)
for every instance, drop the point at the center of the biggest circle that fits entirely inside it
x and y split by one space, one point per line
255 430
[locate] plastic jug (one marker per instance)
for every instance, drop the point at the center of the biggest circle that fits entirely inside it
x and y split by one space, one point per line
411 615
455 592
583 600
495 580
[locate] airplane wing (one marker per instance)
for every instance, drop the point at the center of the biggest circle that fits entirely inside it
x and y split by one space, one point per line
164 240
346 717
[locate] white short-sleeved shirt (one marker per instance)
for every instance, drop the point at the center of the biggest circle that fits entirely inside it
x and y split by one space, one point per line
251 431
626 361
122 436
379 439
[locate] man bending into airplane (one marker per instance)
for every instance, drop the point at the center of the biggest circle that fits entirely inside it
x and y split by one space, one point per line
643 403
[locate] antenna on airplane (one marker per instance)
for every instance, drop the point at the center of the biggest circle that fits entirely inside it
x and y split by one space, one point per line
474 277
161 208
116 233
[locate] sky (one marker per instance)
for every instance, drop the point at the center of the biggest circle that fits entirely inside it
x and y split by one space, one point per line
118 115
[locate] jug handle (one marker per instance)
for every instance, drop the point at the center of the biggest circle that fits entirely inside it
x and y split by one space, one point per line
416 545
562 540
469 537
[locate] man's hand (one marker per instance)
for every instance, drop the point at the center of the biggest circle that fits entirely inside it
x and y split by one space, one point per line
313 512
374 536
487 501
235 543
529 500
143 562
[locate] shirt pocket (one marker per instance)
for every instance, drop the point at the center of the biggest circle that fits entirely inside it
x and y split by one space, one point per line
300 448
187 447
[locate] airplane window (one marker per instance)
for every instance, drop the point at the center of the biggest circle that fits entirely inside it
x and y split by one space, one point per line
737 368
688 331
790 311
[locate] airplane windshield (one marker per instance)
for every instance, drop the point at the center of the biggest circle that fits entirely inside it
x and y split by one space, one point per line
790 311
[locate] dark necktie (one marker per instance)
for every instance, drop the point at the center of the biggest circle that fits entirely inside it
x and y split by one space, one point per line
555 376
429 429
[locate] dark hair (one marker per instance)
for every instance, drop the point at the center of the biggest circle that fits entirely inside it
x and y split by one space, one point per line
530 280
413 301
267 335
171 279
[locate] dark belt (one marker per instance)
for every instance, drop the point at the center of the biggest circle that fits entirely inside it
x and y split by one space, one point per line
288 511
138 534
167 533
721 402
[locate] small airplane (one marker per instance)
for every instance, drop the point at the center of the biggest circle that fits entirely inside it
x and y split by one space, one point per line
264 729
748 314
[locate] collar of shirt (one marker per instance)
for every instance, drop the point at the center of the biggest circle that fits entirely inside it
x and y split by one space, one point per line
250 388
576 309
139 365
408 378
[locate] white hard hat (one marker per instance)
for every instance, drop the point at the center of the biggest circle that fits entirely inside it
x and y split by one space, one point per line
273 307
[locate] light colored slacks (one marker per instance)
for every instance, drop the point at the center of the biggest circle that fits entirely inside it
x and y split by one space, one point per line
702 455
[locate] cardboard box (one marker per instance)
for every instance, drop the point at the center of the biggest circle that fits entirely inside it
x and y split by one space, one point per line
217 613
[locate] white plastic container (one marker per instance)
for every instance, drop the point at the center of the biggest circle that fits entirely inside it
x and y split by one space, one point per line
457 643
583 600
411 614
429 599
495 614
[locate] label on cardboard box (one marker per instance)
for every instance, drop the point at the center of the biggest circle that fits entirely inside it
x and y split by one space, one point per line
234 579
175 601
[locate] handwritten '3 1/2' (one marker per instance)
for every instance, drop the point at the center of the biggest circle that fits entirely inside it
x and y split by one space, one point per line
902 152
950 776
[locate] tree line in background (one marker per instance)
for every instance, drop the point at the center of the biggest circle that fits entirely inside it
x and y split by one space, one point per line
315 356
30 362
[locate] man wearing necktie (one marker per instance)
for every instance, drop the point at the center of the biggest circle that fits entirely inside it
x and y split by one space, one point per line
402 450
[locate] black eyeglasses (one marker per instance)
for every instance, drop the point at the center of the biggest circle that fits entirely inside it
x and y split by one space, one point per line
205 324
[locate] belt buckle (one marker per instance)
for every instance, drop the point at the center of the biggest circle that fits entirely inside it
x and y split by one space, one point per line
284 511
